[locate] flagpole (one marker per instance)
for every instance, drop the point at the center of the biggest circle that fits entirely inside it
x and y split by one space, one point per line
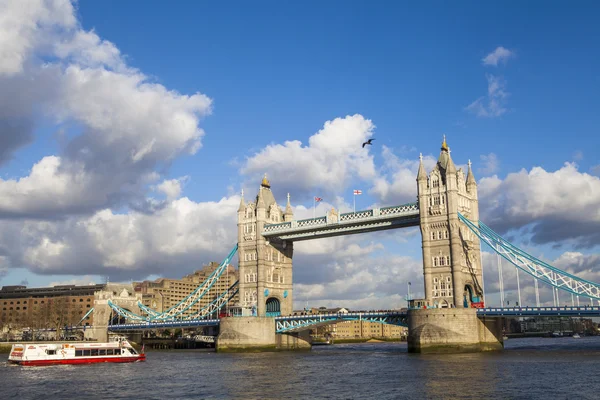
314 207
354 202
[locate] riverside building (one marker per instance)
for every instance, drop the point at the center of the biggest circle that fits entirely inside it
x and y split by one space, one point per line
46 307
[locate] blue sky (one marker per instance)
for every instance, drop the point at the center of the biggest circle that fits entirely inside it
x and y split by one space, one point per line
275 73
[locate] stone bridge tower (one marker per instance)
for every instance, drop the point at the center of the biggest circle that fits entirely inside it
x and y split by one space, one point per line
265 269
120 294
451 252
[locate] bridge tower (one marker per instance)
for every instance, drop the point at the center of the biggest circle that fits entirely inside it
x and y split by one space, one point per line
451 253
265 268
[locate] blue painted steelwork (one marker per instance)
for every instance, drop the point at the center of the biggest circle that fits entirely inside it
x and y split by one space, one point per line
164 324
535 267
582 311
183 305
376 219
294 323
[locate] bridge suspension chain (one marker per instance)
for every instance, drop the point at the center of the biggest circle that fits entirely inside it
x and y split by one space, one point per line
183 305
540 270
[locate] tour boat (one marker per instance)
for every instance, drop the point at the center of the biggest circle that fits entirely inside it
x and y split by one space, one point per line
32 354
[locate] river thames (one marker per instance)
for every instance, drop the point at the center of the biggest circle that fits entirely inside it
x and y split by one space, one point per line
558 368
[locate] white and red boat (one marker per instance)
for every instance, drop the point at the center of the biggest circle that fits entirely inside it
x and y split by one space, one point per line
74 353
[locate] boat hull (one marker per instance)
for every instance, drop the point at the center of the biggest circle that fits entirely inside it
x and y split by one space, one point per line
79 360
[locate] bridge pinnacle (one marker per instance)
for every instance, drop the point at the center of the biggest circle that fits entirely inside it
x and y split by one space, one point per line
265 182
444 144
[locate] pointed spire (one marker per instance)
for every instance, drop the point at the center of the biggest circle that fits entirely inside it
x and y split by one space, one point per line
450 167
288 207
470 176
444 145
242 205
265 182
421 175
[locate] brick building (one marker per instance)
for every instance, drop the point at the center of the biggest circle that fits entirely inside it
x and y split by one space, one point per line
47 307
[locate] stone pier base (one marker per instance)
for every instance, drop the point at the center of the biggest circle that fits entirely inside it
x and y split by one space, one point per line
97 333
452 330
247 334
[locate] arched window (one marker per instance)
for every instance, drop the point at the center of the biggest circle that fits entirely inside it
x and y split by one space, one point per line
435 261
273 307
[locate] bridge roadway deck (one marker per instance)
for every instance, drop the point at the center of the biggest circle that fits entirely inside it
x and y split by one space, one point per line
292 323
376 219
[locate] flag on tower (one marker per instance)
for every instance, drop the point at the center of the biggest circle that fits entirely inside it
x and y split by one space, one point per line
357 192
318 199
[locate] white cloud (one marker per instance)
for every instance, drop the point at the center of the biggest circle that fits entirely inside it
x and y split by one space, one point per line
490 164
363 282
177 238
396 182
172 187
560 205
122 127
500 55
26 25
494 104
332 158
595 170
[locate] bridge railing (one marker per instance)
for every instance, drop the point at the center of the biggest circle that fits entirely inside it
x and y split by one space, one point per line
363 215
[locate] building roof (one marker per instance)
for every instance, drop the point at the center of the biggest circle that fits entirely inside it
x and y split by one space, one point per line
13 292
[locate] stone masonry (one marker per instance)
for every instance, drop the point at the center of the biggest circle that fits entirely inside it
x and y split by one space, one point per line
451 252
265 268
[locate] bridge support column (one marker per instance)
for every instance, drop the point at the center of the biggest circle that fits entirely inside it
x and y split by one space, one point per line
253 334
452 330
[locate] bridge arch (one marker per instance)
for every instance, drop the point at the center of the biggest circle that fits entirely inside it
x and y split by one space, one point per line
273 306
468 296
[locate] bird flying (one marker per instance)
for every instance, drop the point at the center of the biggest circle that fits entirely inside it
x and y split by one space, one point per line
367 142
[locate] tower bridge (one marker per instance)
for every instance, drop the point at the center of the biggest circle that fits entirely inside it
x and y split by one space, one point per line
452 314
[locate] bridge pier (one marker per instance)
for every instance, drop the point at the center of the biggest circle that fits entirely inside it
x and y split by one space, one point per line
250 334
452 330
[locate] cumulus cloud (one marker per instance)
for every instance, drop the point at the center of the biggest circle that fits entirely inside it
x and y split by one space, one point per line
499 55
490 164
494 103
363 281
396 182
332 158
175 239
555 206
120 126
172 187
595 170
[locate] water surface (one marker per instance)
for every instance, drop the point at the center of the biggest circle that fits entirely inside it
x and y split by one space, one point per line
558 368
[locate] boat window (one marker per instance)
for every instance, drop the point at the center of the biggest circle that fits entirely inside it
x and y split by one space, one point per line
94 352
78 353
109 352
86 352
132 351
102 352
50 352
